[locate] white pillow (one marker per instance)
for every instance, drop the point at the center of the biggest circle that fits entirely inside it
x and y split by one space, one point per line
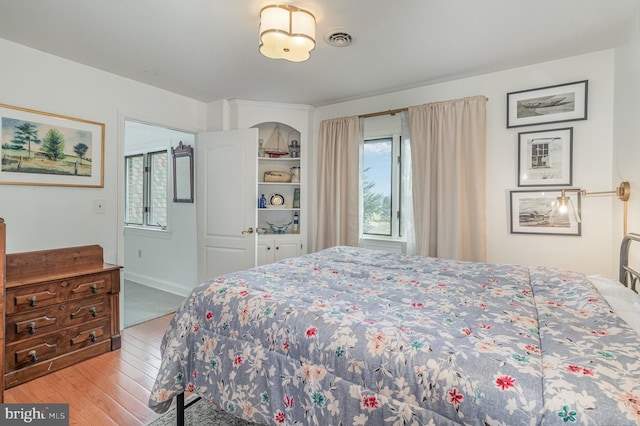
624 301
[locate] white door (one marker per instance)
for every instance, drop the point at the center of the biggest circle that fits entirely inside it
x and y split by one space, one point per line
226 200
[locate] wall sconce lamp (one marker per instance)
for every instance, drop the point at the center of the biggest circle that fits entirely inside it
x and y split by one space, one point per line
622 192
287 32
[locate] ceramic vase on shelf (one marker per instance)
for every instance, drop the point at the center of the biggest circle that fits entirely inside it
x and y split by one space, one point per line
295 174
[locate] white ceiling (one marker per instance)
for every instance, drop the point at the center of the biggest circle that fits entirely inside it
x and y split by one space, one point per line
208 49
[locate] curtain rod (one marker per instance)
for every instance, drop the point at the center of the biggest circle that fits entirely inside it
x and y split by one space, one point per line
388 112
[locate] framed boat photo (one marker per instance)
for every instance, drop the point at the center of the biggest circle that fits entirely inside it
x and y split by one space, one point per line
552 104
541 212
45 149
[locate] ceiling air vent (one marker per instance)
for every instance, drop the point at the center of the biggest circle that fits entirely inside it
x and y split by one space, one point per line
338 37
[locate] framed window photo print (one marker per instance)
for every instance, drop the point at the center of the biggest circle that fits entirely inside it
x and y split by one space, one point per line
553 104
545 157
539 212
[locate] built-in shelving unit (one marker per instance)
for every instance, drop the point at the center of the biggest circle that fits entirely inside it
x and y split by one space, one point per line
293 122
282 205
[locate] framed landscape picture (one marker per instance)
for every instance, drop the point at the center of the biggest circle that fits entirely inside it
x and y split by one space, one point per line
539 212
40 148
545 157
553 104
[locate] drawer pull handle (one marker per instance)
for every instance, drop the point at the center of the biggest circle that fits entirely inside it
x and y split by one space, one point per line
32 325
94 312
93 286
22 301
91 336
33 356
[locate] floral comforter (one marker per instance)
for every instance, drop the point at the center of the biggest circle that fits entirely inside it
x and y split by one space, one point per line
349 336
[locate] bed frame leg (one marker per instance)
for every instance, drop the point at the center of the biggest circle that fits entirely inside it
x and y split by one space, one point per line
180 409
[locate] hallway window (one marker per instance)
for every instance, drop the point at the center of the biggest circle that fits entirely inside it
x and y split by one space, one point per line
146 189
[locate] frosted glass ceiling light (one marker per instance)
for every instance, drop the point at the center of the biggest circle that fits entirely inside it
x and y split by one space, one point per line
287 32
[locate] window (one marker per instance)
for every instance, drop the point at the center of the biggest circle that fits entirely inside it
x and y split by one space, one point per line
381 187
146 189
540 154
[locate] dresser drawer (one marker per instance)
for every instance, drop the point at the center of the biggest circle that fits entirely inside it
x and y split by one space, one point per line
23 375
40 349
31 324
32 297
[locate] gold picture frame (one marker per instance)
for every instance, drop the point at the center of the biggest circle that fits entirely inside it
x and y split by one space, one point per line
45 149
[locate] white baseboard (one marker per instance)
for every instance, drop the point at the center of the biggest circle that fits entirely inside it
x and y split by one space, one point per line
152 282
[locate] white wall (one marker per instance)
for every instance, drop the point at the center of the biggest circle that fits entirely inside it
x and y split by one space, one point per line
592 156
626 147
40 217
49 217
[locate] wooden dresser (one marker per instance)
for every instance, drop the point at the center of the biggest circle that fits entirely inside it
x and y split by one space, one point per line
62 307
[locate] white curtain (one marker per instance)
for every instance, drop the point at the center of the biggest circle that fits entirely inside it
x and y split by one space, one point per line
338 183
448 162
406 191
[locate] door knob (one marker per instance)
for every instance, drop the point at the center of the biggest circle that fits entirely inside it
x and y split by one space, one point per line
248 231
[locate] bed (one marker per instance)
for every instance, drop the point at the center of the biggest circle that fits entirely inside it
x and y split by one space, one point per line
349 336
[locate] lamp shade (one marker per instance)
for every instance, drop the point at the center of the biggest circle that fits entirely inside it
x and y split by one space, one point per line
287 32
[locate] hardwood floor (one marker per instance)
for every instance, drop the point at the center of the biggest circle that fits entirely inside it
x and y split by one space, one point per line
111 389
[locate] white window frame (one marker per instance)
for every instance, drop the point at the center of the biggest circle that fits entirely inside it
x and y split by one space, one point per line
396 231
147 204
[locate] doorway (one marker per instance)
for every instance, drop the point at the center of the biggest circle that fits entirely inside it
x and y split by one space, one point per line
159 234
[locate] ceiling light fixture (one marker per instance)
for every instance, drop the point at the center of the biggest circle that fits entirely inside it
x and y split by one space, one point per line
287 32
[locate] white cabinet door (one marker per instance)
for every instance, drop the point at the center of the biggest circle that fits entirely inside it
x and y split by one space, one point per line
226 197
265 252
272 248
286 249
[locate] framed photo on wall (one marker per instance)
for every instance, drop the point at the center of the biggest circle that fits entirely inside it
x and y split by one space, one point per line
552 104
545 157
539 212
41 148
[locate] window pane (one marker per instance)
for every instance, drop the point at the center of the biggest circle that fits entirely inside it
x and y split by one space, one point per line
376 187
134 197
158 189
